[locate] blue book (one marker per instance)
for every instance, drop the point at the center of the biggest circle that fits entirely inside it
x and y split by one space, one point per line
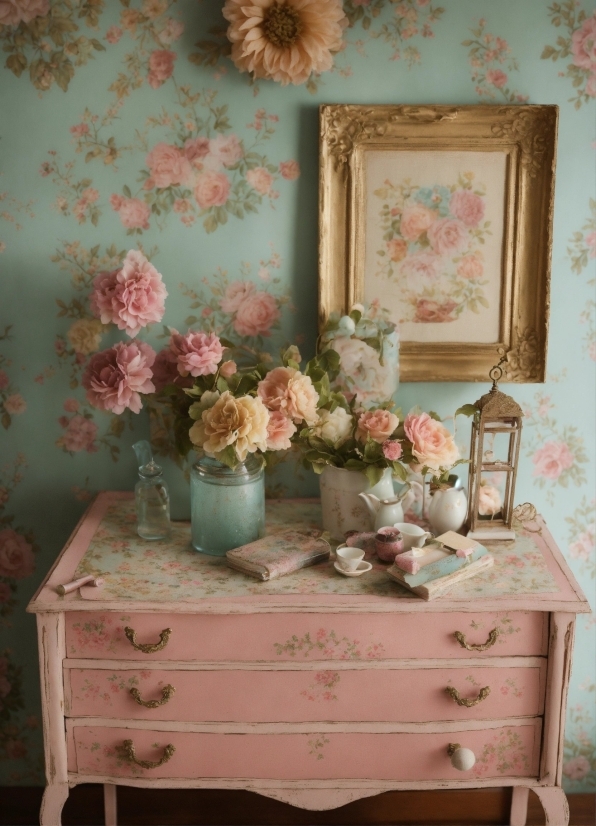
449 564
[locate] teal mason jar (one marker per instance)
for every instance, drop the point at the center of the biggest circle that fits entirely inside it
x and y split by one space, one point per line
227 506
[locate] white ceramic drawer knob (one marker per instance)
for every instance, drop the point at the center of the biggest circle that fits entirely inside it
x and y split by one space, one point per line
462 759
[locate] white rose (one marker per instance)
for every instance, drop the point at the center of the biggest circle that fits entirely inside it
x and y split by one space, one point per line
335 427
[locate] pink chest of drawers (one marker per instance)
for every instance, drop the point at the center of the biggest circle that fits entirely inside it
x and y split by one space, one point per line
313 689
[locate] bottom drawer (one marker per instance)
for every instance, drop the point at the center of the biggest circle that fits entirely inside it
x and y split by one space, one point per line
503 751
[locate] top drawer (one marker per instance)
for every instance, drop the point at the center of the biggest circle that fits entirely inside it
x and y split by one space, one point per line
303 636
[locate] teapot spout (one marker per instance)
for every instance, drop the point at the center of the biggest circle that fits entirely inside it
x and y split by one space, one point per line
408 493
372 503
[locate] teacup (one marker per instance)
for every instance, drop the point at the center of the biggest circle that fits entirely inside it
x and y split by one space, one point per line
349 558
413 535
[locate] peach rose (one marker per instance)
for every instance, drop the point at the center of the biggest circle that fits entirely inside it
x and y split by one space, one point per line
279 431
432 443
290 170
431 312
241 423
470 267
467 206
168 165
489 500
378 424
448 236
228 368
552 459
416 219
161 67
397 249
256 314
496 77
16 555
260 179
583 44
212 189
293 394
134 213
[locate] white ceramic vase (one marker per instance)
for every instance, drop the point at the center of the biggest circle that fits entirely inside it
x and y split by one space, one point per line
447 510
342 509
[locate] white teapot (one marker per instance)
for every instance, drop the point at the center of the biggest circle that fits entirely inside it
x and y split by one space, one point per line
386 512
448 508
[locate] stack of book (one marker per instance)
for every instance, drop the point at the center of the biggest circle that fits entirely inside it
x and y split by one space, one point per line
434 569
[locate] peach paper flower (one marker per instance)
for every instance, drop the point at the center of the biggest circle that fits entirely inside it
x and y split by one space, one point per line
197 353
378 424
115 378
131 297
290 392
285 41
432 443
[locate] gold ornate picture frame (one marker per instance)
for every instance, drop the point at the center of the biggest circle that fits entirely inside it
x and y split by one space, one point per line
444 215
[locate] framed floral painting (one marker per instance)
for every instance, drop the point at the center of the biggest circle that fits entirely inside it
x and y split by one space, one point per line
443 215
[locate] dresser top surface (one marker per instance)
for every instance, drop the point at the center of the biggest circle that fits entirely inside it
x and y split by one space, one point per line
528 574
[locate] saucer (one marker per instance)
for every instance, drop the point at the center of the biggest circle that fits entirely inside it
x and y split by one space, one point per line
362 568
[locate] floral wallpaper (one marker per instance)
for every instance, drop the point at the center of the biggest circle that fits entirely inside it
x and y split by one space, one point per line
125 125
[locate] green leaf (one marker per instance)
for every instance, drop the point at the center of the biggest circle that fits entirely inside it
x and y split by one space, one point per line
127 191
373 474
466 410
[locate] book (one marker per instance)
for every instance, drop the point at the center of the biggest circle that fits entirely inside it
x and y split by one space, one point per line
278 554
437 587
432 562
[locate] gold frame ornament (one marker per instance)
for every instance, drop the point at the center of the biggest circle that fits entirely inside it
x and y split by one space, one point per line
527 136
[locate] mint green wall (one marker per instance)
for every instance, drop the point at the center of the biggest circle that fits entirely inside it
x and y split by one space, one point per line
58 223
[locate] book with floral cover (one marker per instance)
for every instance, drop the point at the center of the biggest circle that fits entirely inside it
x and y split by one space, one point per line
279 554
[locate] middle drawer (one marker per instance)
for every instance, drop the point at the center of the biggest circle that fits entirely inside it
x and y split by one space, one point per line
368 694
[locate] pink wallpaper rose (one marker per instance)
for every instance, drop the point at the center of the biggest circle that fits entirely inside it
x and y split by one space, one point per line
16 555
552 459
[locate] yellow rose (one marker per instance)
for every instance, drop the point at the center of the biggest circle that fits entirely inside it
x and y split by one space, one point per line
239 422
85 335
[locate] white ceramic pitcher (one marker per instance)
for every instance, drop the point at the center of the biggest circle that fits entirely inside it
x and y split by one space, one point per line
343 510
447 510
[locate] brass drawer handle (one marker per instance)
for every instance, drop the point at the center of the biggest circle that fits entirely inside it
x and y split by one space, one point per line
148 648
129 751
470 646
166 694
463 701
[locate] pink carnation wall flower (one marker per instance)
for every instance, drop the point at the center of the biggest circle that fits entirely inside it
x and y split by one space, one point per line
115 379
131 297
197 353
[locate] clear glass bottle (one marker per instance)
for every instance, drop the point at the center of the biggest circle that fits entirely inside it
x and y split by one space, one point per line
152 498
227 506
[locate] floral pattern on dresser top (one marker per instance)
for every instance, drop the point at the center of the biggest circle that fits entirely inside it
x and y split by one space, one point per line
504 754
134 569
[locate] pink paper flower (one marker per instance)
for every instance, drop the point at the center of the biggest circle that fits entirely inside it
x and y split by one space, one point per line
467 206
165 371
16 555
496 77
378 424
235 294
256 314
470 266
260 179
115 379
15 404
168 165
416 219
226 149
290 392
290 170
134 213
228 368
131 297
212 189
161 67
197 353
552 459
280 430
392 450
583 44
80 435
432 443
433 312
448 236
577 768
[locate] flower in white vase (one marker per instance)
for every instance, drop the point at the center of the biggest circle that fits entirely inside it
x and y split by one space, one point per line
335 427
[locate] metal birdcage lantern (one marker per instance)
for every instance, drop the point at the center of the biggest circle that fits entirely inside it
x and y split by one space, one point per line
497 417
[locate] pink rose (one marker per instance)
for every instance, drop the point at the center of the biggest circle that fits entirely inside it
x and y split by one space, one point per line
15 404
115 378
131 297
489 500
280 430
196 149
80 435
256 314
16 555
226 149
416 219
168 165
116 201
392 450
134 213
212 189
496 77
4 380
432 312
432 443
260 179
448 236
235 295
171 31
378 424
290 170
197 353
12 12
470 267
161 67
113 34
577 768
289 391
421 265
71 405
228 368
583 548
583 44
397 249
165 371
552 459
467 206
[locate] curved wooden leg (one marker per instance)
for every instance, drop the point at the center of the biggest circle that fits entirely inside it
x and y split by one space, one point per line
519 806
554 803
110 804
54 798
